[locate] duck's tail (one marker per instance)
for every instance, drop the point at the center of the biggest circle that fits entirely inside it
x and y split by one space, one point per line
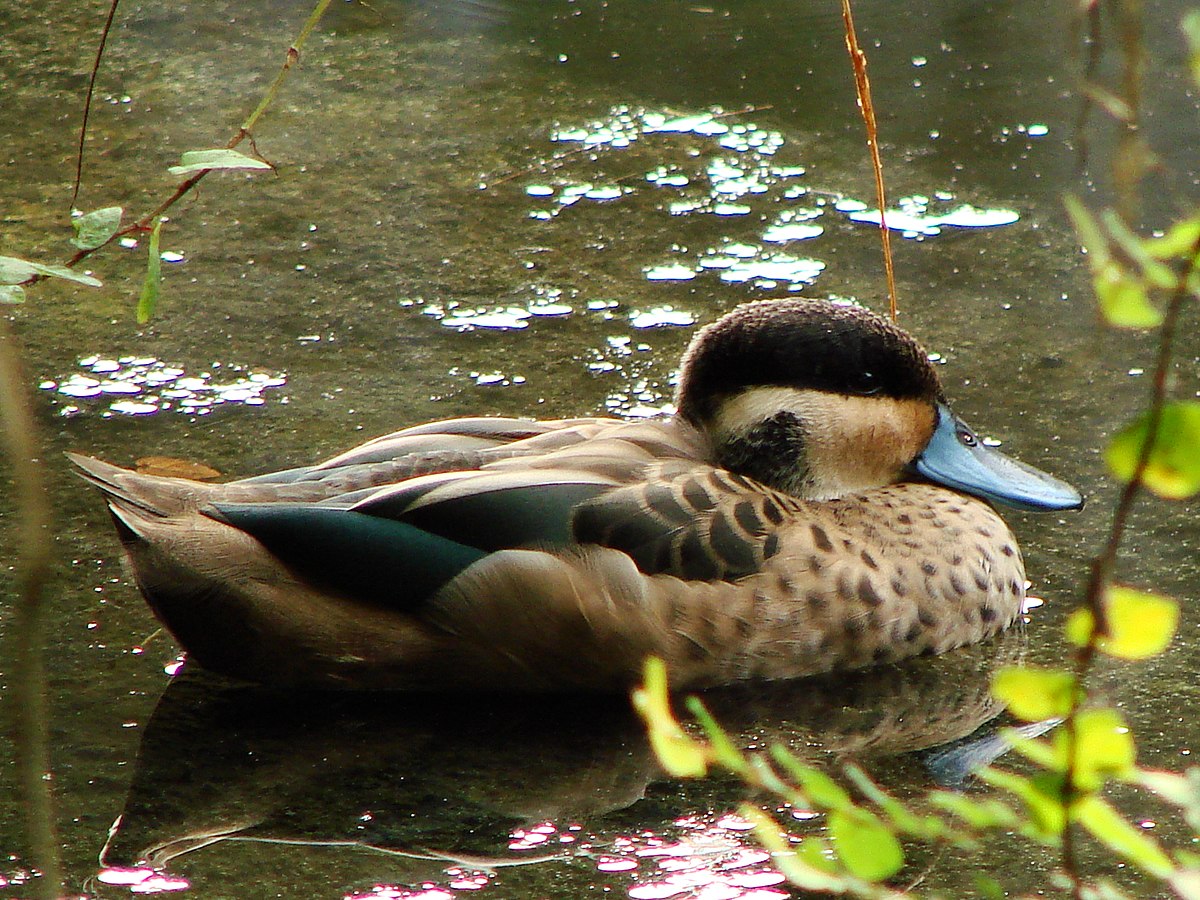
135 499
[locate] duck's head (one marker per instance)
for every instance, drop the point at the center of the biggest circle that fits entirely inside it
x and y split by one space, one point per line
820 400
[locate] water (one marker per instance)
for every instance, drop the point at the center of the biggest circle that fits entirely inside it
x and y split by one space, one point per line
526 208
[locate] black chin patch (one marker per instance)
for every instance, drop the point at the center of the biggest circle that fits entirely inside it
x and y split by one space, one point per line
772 453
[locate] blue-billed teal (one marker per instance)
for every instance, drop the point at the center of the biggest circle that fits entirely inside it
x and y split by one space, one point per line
812 505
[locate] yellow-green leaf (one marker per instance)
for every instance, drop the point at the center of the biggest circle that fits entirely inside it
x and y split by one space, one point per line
801 866
978 812
1173 470
1191 33
1035 694
723 750
866 846
1172 787
152 283
1090 234
1124 297
1179 240
819 789
14 270
1135 247
96 228
1042 796
1036 750
1104 748
12 293
679 754
1111 828
1140 625
223 158
902 819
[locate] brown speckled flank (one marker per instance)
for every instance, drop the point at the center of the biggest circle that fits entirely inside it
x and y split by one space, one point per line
767 532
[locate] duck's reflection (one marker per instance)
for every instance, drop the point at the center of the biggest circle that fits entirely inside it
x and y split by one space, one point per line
439 780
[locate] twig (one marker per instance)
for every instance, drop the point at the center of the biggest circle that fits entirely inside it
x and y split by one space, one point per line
146 222
30 719
1105 562
862 86
87 103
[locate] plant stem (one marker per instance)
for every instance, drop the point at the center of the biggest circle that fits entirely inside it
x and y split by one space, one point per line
1104 564
27 696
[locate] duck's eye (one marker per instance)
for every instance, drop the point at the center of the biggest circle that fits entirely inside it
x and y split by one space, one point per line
967 438
867 385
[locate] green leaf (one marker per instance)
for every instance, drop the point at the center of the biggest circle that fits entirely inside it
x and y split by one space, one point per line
1042 796
1104 748
1191 33
988 887
907 822
1124 300
1033 749
1036 694
865 845
12 293
1171 787
96 228
1140 625
981 813
819 789
14 270
152 284
1135 247
724 751
1173 470
1089 231
1124 297
805 866
1179 241
1181 790
679 754
201 160
1112 829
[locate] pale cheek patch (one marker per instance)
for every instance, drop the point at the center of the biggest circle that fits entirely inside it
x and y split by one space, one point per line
851 443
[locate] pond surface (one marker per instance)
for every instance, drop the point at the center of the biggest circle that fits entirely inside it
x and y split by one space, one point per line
524 208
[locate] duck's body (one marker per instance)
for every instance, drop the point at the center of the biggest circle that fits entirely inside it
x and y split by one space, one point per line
741 539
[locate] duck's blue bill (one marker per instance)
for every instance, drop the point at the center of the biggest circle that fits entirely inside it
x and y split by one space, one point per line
956 458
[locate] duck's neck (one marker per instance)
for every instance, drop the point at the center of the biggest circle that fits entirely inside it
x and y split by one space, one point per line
772 451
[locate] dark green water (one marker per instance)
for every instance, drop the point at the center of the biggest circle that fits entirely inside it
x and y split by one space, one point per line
490 207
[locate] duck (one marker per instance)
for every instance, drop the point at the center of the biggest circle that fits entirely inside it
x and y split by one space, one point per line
811 505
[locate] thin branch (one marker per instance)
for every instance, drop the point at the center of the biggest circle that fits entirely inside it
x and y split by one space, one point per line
862 86
1092 44
27 700
1104 564
184 187
87 103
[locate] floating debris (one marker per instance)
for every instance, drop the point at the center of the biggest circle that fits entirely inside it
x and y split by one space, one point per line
143 385
660 316
915 218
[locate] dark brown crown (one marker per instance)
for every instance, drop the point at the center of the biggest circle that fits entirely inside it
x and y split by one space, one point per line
803 344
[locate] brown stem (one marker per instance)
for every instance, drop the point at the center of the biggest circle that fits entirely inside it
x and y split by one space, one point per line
87 103
862 86
27 695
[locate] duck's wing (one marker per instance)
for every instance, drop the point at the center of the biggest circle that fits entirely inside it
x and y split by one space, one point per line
453 445
419 532
690 520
